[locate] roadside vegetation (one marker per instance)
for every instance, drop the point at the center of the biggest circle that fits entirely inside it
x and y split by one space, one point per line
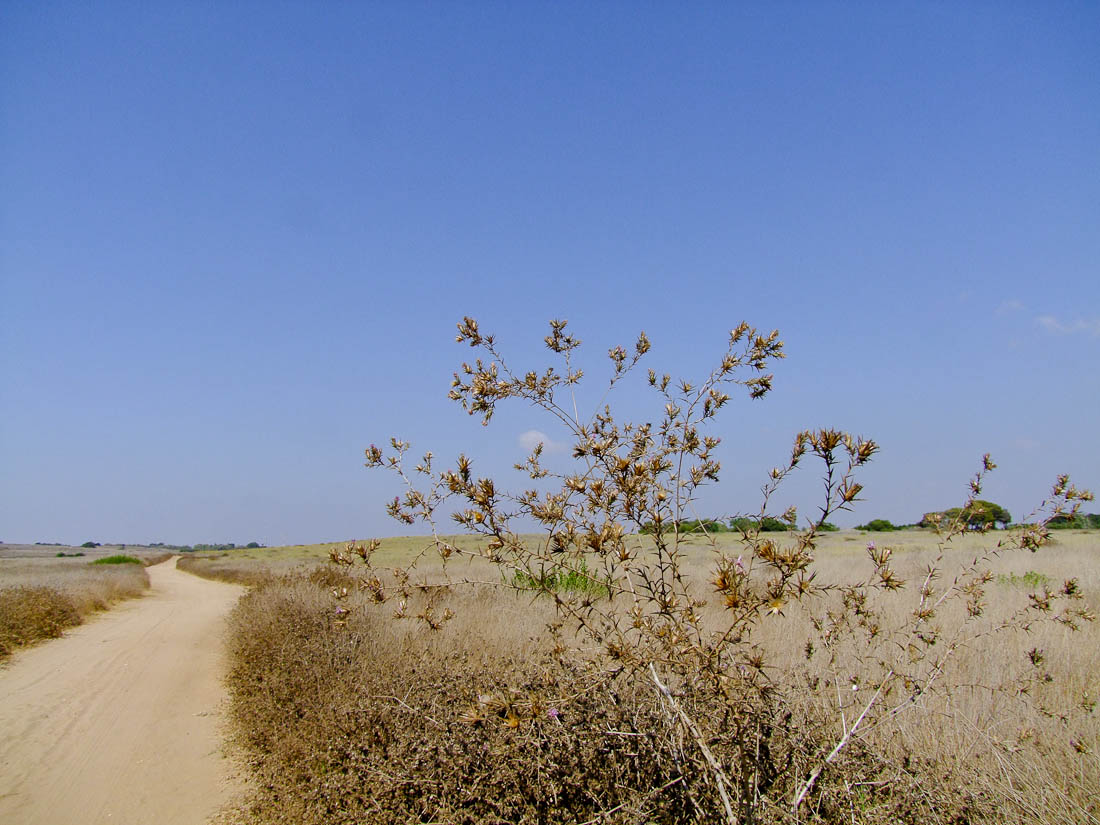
782 675
218 568
41 597
499 716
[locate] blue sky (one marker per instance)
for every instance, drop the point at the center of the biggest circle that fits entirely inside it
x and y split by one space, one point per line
235 240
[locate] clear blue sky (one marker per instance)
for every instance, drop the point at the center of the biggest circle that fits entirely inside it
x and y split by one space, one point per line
235 239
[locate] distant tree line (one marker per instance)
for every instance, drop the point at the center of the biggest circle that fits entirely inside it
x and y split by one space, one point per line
198 548
180 548
740 524
1082 521
978 515
206 548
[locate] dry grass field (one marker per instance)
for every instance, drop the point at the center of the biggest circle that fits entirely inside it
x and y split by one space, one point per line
41 594
347 715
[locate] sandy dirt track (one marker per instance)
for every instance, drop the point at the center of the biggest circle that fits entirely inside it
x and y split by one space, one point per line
120 721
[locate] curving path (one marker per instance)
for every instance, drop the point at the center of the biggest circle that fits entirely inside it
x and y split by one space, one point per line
119 720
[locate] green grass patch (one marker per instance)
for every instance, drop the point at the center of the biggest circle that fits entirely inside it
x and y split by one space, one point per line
563 580
1032 579
117 560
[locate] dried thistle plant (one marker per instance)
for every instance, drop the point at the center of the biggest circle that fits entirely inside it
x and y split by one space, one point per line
614 520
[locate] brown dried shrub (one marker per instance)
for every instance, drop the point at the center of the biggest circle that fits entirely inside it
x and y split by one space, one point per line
32 613
39 598
351 722
349 717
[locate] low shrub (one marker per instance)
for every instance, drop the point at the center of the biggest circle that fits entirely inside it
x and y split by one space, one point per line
41 597
31 613
705 525
347 718
767 524
499 716
116 560
1032 579
575 580
877 525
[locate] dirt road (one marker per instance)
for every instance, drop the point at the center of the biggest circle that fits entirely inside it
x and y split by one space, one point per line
120 720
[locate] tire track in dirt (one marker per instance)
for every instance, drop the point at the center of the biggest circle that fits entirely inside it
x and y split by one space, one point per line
120 721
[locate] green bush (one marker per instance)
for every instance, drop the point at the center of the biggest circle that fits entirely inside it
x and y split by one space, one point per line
693 526
117 560
877 525
768 525
578 579
699 525
1080 521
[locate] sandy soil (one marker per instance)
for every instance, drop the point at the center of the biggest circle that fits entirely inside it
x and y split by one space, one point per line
120 720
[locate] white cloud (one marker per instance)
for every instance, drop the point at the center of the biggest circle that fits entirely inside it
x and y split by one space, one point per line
1086 327
530 439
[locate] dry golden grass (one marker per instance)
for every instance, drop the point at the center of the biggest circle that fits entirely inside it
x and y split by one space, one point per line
1036 756
40 597
349 716
251 566
356 719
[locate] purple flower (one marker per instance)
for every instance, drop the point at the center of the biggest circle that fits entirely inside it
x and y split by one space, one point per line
553 713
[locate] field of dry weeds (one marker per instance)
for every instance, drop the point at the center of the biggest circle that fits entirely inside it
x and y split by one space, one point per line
498 716
42 594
